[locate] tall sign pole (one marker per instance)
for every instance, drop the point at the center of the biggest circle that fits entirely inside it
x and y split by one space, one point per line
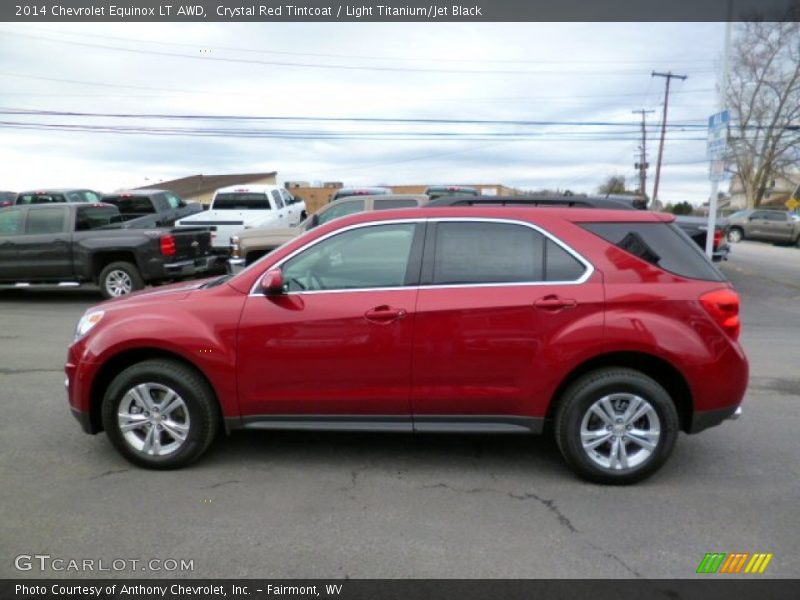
717 154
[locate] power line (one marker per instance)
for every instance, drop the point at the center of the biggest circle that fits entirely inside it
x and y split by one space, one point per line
274 63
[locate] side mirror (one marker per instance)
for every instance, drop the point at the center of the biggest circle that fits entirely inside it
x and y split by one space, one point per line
272 283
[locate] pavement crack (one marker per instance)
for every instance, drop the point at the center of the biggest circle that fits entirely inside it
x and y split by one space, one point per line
549 505
220 484
107 473
6 371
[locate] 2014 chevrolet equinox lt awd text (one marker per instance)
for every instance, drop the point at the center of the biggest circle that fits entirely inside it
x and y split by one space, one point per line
610 327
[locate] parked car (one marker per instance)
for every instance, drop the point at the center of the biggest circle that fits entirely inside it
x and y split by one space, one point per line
7 198
694 227
50 195
444 191
609 328
251 244
767 225
74 243
237 207
359 191
152 208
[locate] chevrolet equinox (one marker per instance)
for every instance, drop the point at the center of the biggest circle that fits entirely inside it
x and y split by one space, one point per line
609 328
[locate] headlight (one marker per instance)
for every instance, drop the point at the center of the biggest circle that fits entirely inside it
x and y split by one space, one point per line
88 320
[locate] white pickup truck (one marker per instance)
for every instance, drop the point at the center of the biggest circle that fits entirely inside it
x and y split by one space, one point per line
239 207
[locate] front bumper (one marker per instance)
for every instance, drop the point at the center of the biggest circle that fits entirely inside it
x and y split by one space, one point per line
702 420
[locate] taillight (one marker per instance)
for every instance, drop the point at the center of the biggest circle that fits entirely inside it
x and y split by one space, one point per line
723 306
234 246
168 245
717 238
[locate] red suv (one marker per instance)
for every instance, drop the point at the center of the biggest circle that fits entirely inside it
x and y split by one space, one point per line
609 327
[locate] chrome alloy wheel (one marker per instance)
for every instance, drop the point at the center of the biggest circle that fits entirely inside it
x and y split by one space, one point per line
620 431
153 419
118 283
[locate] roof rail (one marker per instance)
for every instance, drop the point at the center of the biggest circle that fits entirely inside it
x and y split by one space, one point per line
619 202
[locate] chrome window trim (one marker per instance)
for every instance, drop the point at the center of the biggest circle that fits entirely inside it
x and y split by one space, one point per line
589 267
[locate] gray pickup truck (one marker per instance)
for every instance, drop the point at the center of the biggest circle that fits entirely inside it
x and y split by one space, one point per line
70 244
776 226
151 208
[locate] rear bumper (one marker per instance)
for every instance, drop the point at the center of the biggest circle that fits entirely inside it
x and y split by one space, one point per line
236 265
711 418
188 268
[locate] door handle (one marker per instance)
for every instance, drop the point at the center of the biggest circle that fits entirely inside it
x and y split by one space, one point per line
554 303
384 314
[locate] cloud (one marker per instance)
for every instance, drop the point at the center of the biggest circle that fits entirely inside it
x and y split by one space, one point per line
523 71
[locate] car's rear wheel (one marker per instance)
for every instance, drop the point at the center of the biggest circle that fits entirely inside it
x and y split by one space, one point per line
616 426
119 279
735 235
160 414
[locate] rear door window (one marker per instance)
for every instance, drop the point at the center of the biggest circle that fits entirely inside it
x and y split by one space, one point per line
664 245
10 221
470 253
45 220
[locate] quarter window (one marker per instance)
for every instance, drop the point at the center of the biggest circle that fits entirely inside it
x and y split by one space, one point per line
375 256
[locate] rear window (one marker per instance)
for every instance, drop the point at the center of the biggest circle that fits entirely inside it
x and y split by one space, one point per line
446 192
241 201
93 217
40 198
131 205
661 244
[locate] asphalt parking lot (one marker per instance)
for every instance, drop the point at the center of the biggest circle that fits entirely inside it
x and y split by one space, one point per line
357 505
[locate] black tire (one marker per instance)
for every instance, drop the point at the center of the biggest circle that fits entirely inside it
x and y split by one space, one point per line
735 235
201 410
575 404
114 271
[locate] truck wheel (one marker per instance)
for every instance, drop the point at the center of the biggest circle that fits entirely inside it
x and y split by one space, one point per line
160 414
616 426
119 279
735 235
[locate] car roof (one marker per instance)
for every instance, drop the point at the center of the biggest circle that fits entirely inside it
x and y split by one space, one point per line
509 213
56 191
245 188
147 192
421 197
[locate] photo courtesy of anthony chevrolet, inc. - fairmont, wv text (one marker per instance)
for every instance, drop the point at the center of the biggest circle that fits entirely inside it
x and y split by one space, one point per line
399 300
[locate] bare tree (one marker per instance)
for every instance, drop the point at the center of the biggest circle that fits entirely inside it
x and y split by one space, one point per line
614 184
764 97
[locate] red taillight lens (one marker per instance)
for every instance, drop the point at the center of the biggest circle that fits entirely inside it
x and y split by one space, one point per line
723 306
717 238
168 245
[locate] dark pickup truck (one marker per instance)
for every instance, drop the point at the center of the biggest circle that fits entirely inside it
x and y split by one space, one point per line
151 208
69 244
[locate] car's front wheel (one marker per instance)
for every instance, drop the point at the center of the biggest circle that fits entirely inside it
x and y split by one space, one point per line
160 414
616 426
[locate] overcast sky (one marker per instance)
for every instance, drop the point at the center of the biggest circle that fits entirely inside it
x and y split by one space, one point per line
573 72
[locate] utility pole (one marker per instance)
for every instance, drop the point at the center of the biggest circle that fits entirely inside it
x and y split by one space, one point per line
643 164
669 77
